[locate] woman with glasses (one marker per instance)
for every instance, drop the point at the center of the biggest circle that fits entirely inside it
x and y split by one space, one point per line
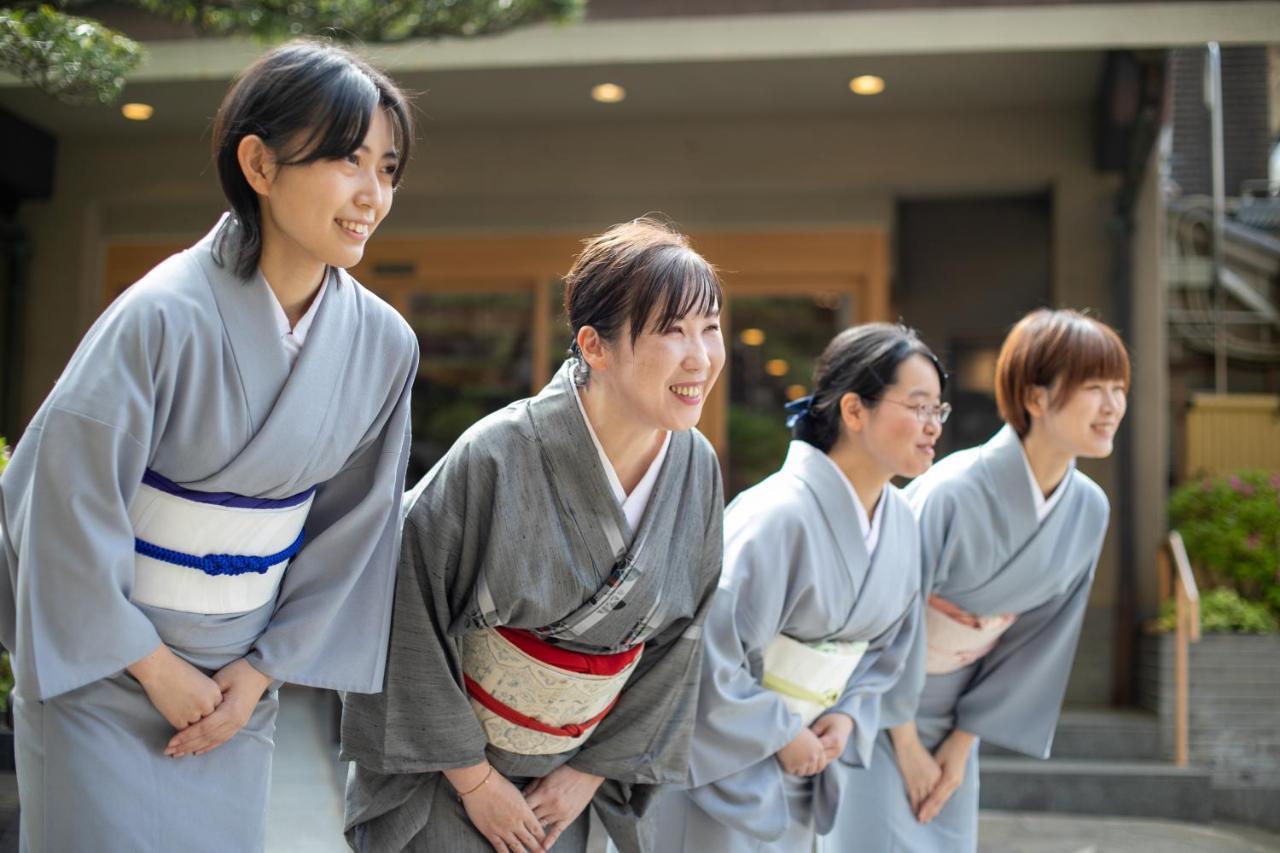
817 606
1010 534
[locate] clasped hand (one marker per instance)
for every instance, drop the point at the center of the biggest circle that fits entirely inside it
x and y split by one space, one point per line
817 745
206 711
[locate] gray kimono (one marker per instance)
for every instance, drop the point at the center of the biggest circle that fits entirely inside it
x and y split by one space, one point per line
795 564
184 381
984 551
516 527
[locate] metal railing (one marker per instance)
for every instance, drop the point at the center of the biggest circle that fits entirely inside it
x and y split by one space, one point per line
1177 581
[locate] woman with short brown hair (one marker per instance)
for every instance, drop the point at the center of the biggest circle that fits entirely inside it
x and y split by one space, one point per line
1010 534
555 572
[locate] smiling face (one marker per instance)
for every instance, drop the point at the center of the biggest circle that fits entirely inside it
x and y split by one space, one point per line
322 213
1084 422
664 378
892 434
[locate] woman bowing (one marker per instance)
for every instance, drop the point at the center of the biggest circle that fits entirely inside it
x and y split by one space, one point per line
555 572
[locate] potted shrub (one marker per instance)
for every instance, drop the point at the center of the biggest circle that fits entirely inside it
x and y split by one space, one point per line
1231 528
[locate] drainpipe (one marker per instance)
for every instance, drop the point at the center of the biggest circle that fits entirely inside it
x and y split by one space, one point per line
1213 100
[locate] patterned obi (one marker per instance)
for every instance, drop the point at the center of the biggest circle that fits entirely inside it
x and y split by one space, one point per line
536 698
211 552
957 638
810 677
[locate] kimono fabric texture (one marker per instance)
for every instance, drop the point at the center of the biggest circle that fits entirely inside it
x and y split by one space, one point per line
796 564
516 528
985 552
181 403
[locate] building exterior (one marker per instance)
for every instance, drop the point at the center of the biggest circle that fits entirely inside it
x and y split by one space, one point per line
1005 166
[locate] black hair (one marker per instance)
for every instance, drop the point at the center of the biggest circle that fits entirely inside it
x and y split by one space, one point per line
643 272
861 360
307 100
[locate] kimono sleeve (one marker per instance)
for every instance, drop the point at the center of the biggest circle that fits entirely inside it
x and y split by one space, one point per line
877 672
1016 695
64 502
937 521
422 721
645 738
740 723
333 615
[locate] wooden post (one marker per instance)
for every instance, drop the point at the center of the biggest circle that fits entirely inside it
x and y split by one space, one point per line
1180 678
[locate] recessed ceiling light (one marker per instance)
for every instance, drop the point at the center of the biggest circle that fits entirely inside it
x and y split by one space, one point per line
867 84
608 93
137 112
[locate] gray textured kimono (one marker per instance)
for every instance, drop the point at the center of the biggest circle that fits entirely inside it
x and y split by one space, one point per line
512 528
984 551
795 564
185 375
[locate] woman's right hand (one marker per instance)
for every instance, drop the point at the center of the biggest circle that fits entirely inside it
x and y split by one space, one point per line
804 756
181 693
919 769
498 810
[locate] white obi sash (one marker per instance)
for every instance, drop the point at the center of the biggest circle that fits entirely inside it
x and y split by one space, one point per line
810 677
210 553
536 698
956 638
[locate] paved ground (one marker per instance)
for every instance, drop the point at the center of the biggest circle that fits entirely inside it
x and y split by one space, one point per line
306 806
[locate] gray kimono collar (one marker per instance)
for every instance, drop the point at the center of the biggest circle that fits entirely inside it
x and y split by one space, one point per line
1005 463
581 483
1006 478
833 498
247 311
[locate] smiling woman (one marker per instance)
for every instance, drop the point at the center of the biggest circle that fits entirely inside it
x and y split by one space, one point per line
234 427
1010 535
555 570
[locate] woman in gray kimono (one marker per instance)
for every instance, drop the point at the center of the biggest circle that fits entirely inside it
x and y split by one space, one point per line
816 609
206 504
1010 535
555 571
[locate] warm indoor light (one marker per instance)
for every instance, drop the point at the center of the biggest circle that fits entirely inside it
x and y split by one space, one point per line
867 84
776 367
752 337
795 392
608 93
137 112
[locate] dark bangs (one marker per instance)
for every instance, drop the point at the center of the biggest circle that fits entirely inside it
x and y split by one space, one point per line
337 120
671 282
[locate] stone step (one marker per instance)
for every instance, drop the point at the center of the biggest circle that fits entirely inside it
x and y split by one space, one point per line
1154 789
1115 734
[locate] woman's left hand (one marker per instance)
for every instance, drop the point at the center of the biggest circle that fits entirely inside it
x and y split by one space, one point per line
242 686
559 797
952 756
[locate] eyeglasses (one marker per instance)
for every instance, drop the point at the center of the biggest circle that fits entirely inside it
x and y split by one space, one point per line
925 413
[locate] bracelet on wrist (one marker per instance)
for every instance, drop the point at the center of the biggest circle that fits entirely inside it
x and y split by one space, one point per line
480 785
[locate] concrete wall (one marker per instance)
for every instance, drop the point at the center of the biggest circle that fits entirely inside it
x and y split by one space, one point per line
1233 718
750 172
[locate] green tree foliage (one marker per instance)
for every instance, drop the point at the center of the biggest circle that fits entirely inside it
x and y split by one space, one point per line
78 60
73 59
1231 527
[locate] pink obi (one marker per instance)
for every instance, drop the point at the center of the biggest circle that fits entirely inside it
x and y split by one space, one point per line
957 638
